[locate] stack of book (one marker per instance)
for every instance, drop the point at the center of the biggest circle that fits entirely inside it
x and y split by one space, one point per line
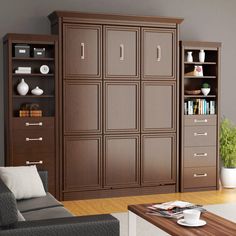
199 107
172 209
23 70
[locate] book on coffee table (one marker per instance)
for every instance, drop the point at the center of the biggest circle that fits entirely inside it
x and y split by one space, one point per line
172 209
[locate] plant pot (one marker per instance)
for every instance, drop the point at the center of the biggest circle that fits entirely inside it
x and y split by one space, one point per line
205 91
228 177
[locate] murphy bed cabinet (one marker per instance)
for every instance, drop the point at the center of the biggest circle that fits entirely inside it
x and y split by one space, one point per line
119 99
31 124
200 117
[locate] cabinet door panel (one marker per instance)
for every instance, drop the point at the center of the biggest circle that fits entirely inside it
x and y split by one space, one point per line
82 163
159 52
122 52
82 51
121 161
121 107
158 159
158 106
82 107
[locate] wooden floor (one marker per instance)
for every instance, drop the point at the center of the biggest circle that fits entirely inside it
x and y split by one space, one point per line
111 205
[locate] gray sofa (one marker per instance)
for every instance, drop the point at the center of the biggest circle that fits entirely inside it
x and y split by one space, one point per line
45 216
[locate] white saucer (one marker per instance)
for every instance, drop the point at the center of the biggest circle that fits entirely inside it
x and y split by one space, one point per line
198 224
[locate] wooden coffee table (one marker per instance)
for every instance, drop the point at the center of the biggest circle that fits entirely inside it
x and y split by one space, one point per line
216 225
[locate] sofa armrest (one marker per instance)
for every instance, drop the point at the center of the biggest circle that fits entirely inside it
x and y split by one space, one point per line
8 209
98 225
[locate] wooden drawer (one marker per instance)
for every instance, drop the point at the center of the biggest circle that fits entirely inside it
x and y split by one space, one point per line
33 141
199 156
200 136
199 120
29 123
199 177
43 161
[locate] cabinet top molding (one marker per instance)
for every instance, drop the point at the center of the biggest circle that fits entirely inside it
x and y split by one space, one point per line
69 16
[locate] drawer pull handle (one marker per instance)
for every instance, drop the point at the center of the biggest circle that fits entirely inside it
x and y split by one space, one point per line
121 52
158 53
200 134
200 154
34 139
34 124
34 162
82 51
200 121
200 175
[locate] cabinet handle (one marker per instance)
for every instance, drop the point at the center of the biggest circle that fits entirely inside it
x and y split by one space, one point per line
34 162
158 53
200 154
200 134
82 51
200 175
121 52
200 121
34 124
34 139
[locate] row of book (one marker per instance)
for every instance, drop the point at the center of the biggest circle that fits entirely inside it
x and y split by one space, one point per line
199 107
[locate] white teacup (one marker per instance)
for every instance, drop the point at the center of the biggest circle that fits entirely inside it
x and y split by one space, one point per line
191 216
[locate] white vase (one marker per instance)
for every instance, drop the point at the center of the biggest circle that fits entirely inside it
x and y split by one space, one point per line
201 56
37 91
205 91
228 177
189 57
22 88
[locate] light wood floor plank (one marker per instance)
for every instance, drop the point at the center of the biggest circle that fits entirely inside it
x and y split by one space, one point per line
111 205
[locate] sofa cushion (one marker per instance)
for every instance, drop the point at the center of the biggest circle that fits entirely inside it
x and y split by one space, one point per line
23 181
37 203
47 213
20 216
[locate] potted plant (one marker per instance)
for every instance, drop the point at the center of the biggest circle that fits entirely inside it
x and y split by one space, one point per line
228 153
206 88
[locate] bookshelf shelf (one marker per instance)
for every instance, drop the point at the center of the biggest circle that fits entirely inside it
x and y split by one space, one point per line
200 77
200 96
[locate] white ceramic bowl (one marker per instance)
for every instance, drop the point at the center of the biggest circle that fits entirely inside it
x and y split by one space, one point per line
191 216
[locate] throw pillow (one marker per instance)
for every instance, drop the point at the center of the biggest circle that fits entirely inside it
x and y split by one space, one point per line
23 181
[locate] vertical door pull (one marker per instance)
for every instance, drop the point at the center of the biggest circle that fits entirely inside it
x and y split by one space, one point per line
158 53
122 52
82 51
34 124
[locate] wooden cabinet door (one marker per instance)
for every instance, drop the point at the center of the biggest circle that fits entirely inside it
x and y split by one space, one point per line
158 53
121 161
121 46
82 51
121 107
82 163
158 159
158 106
82 107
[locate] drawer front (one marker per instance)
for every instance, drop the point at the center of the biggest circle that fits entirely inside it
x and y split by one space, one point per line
200 136
30 123
199 177
43 161
199 156
199 120
33 141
